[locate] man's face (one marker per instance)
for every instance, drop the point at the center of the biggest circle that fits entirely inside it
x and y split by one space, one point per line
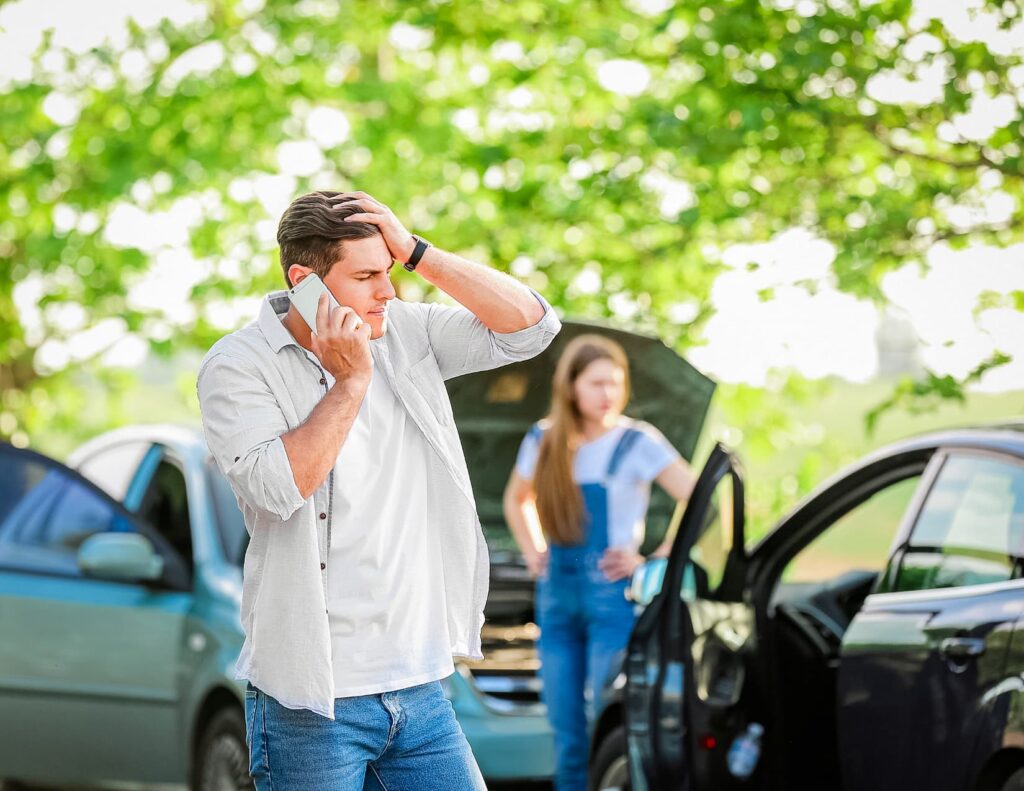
361 280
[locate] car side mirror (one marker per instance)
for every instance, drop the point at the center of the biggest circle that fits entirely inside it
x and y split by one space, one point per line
120 556
647 579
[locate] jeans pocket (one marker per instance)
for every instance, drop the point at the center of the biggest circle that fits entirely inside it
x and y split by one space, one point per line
250 715
609 599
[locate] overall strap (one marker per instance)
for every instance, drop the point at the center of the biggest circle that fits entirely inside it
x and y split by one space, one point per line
626 441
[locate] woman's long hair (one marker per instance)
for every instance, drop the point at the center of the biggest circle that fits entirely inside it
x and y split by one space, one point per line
559 500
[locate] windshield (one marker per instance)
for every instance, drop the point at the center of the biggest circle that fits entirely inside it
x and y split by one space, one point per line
234 538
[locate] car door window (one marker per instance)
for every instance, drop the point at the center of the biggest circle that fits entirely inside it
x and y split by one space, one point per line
112 468
710 552
164 505
971 528
860 540
46 513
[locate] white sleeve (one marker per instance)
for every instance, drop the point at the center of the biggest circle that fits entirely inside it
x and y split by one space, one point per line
529 449
243 424
652 453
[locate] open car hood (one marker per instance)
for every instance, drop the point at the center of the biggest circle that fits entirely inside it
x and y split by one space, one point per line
494 410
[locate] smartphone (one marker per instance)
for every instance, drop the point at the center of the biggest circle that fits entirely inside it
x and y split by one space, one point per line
306 296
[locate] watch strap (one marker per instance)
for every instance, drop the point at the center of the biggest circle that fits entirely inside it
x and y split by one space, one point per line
417 252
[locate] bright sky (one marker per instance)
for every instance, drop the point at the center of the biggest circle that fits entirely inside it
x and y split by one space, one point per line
818 334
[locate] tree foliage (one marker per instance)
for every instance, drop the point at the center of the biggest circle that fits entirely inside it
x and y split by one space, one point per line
490 127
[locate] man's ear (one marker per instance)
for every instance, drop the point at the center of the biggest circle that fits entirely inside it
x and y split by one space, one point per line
297 272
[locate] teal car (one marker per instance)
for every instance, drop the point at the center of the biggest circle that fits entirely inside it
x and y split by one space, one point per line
120 597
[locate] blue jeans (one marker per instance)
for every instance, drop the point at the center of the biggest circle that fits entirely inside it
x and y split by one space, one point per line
585 622
407 739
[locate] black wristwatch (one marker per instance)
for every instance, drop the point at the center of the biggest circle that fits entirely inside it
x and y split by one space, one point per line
417 253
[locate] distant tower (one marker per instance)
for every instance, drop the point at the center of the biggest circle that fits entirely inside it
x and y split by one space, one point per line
898 344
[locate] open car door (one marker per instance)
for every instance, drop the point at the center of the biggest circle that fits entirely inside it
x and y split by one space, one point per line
685 697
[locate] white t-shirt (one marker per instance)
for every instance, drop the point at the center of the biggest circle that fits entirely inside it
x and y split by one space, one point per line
385 586
629 491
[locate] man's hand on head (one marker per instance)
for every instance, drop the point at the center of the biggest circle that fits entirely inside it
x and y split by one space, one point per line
399 241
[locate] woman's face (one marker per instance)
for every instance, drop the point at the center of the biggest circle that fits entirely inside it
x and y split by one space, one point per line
600 390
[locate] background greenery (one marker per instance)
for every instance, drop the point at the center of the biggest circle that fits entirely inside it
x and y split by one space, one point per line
486 126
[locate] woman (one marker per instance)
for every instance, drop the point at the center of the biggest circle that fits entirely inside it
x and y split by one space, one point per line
581 485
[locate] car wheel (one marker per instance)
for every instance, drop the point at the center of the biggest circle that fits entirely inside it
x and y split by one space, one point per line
222 762
609 770
1015 782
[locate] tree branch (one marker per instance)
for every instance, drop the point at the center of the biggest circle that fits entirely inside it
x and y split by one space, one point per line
983 160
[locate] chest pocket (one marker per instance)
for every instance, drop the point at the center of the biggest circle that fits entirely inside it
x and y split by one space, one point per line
428 386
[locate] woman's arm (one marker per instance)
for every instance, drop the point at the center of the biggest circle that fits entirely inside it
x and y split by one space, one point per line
520 510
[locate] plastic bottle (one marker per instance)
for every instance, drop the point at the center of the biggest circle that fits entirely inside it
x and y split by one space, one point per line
745 751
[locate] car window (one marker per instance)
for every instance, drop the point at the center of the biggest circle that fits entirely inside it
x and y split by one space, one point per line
164 505
971 528
112 468
860 540
230 522
709 554
46 514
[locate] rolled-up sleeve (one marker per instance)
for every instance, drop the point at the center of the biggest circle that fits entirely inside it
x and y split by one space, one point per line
463 344
243 424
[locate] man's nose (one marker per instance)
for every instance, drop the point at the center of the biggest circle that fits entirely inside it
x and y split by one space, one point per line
387 291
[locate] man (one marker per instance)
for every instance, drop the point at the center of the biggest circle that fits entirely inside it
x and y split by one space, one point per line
366 570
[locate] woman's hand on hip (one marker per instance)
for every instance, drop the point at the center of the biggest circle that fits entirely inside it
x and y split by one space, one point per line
536 562
619 563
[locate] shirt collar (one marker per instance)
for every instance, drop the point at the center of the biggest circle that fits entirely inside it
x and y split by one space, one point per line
275 306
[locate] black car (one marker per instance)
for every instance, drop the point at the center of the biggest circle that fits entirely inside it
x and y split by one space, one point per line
874 639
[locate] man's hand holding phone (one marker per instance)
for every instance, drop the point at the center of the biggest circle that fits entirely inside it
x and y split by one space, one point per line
342 342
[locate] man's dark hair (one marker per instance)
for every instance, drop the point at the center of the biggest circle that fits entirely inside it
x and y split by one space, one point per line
313 232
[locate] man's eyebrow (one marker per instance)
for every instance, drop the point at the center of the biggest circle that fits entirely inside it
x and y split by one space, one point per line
374 271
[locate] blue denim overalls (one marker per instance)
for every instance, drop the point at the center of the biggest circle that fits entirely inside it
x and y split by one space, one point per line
585 621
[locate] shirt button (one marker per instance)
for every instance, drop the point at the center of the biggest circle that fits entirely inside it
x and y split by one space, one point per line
323 515
323 566
323 381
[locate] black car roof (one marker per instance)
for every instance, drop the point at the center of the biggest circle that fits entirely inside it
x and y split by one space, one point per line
1005 437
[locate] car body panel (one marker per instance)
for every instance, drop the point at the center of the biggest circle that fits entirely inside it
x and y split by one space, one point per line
93 657
86 655
909 706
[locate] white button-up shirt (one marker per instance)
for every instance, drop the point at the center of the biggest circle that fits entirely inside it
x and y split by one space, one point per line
255 385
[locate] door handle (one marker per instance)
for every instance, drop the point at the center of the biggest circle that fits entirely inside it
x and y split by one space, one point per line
961 648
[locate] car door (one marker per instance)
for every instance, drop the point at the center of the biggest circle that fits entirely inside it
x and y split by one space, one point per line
687 659
159 494
149 480
89 668
927 651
